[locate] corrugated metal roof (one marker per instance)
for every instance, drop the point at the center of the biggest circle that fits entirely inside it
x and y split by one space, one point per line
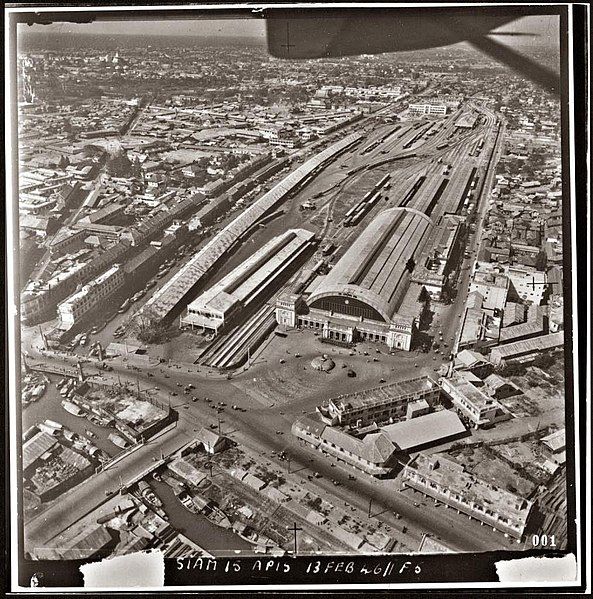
169 296
36 446
424 430
374 268
540 343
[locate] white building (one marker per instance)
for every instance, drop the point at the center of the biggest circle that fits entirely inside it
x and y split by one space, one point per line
437 109
73 308
243 285
471 402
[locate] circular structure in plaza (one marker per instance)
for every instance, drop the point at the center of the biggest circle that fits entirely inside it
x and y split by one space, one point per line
323 363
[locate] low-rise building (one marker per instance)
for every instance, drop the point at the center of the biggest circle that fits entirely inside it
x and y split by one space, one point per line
373 454
471 402
425 431
379 404
89 296
447 481
554 446
67 240
527 350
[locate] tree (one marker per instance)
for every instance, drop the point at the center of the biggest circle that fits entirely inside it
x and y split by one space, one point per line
150 328
424 295
119 165
541 261
136 169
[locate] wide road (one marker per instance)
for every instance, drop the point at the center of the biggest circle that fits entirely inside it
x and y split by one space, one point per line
255 428
263 430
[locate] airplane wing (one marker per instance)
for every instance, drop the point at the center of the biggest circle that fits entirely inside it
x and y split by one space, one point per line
320 33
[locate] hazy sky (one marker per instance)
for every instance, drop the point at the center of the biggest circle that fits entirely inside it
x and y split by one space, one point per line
544 27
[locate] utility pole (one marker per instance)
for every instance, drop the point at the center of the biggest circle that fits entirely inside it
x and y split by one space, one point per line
288 465
294 529
370 507
219 430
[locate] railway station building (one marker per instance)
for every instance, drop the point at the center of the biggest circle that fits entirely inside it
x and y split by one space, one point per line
358 300
245 284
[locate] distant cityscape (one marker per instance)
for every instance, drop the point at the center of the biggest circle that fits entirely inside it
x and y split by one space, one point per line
263 296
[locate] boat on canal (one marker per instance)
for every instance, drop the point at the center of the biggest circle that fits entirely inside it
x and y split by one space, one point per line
177 486
50 427
73 409
187 501
147 493
119 441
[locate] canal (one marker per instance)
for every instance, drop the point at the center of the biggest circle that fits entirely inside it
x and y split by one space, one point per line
217 541
49 406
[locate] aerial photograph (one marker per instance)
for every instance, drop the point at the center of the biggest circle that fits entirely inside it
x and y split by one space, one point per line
287 306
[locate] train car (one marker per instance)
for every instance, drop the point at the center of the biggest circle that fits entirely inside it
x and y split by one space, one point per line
351 211
383 181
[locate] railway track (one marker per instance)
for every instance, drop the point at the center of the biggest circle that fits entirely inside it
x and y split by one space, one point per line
233 349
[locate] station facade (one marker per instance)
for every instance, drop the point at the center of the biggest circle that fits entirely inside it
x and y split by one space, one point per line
359 299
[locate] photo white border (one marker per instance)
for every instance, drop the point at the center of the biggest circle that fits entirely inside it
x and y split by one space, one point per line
12 237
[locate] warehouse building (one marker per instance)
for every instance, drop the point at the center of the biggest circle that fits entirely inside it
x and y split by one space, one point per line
241 287
425 431
358 300
527 350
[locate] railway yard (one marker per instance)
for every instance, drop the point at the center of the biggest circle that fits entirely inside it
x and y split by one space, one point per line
424 166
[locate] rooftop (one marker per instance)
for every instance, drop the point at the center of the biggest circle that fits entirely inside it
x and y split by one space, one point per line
374 268
36 447
452 476
413 388
540 343
424 430
555 441
471 393
241 283
376 448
